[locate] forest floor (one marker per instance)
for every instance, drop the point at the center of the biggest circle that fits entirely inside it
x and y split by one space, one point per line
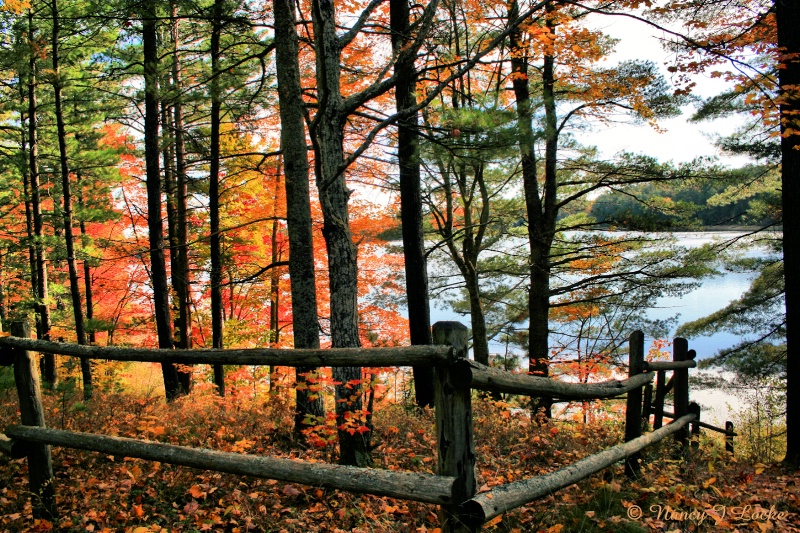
708 491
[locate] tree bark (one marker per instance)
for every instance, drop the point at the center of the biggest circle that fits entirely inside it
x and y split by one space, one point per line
66 195
91 336
788 19
3 308
214 197
180 262
542 211
416 268
154 223
175 179
305 325
29 224
328 131
49 375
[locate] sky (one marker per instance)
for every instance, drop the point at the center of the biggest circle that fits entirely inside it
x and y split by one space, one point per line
681 141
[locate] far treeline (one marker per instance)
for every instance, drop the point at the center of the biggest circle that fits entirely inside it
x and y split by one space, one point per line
226 174
707 204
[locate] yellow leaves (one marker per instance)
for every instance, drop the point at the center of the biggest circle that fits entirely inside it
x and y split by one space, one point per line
760 467
242 445
15 6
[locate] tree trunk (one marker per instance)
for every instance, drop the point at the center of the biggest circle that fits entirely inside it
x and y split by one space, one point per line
213 197
154 223
328 131
42 309
29 225
171 191
180 259
305 325
542 209
3 308
480 339
788 19
87 274
416 268
69 239
274 281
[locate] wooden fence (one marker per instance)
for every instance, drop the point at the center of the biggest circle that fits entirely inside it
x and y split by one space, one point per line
453 488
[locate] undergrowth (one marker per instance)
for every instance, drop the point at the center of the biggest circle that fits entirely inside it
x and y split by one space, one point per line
706 491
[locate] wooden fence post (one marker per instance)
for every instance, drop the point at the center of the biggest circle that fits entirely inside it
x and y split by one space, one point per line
661 392
694 409
647 410
453 401
633 412
40 463
680 377
729 437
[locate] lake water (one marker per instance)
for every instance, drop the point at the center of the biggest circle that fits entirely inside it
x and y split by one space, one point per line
712 294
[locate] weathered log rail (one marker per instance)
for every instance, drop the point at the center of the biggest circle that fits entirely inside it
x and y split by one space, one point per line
453 488
419 487
492 379
487 505
374 357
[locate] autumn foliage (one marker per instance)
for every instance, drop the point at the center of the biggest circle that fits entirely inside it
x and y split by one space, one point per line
105 493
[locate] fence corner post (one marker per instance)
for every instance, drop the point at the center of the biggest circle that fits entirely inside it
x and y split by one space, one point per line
453 404
647 409
633 411
40 463
661 392
694 409
680 352
729 437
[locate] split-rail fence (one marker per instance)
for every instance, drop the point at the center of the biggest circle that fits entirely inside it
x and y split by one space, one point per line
453 488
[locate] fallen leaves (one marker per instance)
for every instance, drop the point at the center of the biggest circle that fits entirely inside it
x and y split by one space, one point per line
113 494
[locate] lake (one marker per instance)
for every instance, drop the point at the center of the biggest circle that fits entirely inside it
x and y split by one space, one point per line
712 294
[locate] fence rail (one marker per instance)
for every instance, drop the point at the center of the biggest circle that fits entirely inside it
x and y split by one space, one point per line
453 488
487 505
491 379
419 487
364 357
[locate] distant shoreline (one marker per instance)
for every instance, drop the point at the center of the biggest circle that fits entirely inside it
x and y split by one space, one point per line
708 229
734 229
